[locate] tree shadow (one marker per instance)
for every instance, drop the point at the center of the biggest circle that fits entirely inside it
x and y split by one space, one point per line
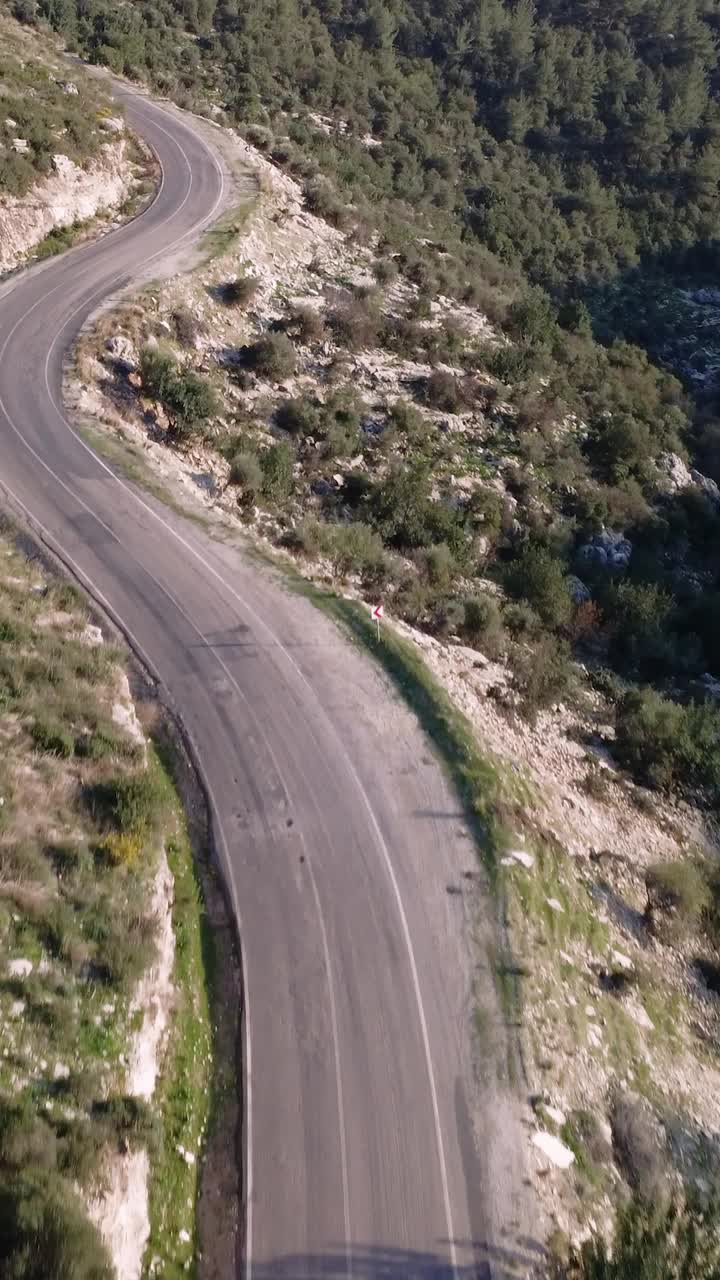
477 1260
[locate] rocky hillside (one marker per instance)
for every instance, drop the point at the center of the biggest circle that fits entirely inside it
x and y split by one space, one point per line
65 158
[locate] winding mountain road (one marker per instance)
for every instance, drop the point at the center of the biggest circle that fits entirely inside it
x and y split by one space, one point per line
369 1148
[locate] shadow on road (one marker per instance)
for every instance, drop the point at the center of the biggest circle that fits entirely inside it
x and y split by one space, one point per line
476 1261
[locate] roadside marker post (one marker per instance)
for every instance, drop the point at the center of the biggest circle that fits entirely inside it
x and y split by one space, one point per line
377 612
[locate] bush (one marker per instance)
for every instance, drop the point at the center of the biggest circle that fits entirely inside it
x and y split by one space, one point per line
385 271
521 620
306 324
123 849
52 739
666 745
277 471
322 200
445 392
436 565
539 577
677 898
356 323
246 471
542 676
273 356
45 1234
410 423
240 291
637 1147
132 804
653 1241
356 548
187 327
186 398
482 624
158 369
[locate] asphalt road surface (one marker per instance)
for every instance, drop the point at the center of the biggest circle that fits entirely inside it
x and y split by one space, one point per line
369 1152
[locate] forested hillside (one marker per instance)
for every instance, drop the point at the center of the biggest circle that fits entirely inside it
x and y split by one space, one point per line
569 138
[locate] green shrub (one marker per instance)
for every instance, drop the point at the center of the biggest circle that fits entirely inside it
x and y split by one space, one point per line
158 369
273 356
638 1148
240 291
521 620
356 548
356 323
653 1240
444 391
246 471
437 565
482 623
306 324
53 739
277 472
639 614
542 676
410 423
187 327
538 577
678 896
667 745
323 200
188 400
130 804
45 1234
302 416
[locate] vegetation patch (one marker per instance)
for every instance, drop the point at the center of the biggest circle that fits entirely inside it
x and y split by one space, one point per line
84 818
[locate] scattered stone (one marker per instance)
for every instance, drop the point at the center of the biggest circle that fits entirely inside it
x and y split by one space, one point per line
114 124
640 1017
555 1150
21 145
67 86
590 1011
556 1114
91 635
621 960
64 166
20 968
17 1008
594 1035
554 905
184 1236
518 855
61 1071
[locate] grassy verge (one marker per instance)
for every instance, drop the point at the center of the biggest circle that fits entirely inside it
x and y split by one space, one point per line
60 239
183 1097
223 234
489 808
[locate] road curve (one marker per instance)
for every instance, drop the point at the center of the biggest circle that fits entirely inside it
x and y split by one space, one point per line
339 835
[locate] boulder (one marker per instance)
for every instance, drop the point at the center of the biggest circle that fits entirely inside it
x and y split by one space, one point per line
708 486
675 472
579 592
607 548
123 351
